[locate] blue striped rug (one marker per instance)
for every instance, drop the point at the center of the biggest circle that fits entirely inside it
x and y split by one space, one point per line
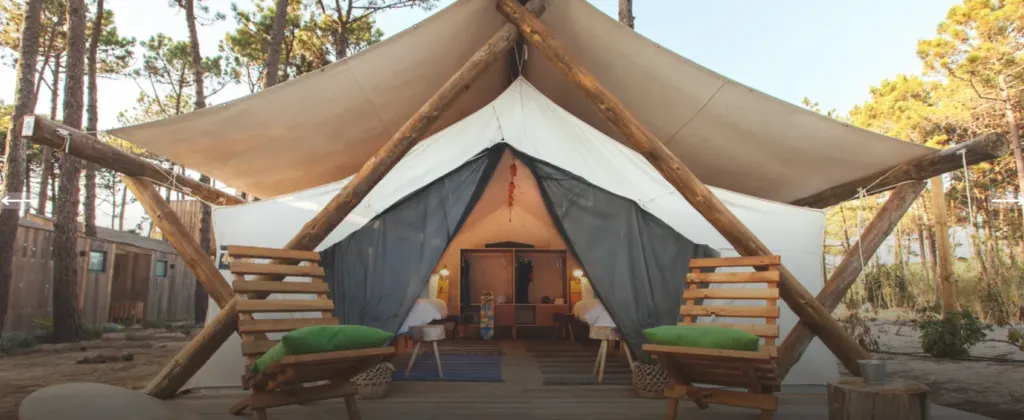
457 368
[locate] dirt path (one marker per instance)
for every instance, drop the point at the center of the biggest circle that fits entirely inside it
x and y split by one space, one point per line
29 370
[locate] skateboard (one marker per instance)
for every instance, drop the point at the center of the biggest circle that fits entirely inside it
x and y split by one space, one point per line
487 316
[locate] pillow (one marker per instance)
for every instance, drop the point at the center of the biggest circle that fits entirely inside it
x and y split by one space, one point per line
270 357
586 290
325 338
433 285
702 336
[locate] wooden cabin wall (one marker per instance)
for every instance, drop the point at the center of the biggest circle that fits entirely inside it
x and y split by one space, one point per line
31 292
31 297
171 298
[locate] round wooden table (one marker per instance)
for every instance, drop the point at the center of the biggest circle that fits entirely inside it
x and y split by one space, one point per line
896 399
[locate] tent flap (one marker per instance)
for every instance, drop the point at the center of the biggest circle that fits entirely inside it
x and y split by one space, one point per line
634 260
377 272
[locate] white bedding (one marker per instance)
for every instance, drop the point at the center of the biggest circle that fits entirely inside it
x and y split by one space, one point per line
423 312
592 312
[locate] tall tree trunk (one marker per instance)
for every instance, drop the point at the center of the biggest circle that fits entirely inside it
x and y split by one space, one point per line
47 155
113 205
66 322
626 13
51 38
947 280
925 270
14 151
201 298
92 121
124 203
276 39
27 181
1011 121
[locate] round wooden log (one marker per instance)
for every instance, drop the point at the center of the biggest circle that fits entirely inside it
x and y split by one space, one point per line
854 399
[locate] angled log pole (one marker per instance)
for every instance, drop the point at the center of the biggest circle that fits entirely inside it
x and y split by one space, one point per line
48 133
980 149
314 231
700 197
849 269
217 331
181 239
187 362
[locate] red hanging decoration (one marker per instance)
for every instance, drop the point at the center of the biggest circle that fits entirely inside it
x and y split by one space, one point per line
512 169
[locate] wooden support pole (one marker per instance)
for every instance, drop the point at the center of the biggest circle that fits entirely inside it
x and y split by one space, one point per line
691 188
981 149
216 332
314 231
187 362
845 275
946 281
48 133
181 239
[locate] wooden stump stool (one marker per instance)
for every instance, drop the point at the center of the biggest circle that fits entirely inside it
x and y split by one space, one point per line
426 334
854 399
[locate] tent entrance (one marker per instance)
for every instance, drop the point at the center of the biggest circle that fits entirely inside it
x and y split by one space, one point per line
631 264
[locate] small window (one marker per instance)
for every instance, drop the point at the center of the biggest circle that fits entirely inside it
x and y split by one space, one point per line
98 261
161 268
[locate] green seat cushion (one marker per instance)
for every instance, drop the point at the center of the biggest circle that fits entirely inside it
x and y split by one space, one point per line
270 357
325 338
322 339
702 336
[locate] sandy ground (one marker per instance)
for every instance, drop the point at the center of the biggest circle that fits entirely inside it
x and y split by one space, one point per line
49 364
991 388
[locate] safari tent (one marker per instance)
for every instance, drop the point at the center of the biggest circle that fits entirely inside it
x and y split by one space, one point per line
640 160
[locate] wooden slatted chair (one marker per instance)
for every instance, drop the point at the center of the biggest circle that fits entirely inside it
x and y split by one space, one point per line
284 382
750 370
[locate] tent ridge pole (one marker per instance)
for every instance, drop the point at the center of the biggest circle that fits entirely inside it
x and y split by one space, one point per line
838 340
977 150
46 132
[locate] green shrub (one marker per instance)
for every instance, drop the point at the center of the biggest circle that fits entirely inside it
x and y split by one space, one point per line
43 325
16 341
90 332
951 335
154 323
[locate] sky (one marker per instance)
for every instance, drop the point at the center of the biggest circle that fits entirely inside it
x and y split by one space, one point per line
829 51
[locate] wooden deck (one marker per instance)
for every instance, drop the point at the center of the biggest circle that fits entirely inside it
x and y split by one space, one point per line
521 396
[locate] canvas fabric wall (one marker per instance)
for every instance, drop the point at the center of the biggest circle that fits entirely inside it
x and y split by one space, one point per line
534 125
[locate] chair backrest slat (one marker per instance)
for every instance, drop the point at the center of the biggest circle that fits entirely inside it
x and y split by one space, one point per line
732 286
246 261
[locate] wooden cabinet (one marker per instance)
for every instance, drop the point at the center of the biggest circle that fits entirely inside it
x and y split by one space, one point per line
494 270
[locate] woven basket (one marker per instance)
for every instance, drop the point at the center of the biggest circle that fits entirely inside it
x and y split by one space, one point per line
649 381
375 382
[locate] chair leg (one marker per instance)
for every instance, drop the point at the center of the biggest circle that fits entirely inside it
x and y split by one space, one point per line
415 351
352 408
597 361
437 358
604 357
572 337
673 407
259 414
629 355
767 415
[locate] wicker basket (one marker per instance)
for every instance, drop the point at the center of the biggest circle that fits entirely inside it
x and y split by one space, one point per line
375 382
649 380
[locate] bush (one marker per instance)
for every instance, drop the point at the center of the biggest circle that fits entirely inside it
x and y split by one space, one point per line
90 332
16 341
154 323
951 335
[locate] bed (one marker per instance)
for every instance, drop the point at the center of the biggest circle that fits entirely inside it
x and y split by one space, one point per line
428 308
589 309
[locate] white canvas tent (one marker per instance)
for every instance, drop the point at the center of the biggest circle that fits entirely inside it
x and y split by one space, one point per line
527 120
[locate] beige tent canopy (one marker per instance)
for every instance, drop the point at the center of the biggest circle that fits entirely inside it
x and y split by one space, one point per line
323 126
